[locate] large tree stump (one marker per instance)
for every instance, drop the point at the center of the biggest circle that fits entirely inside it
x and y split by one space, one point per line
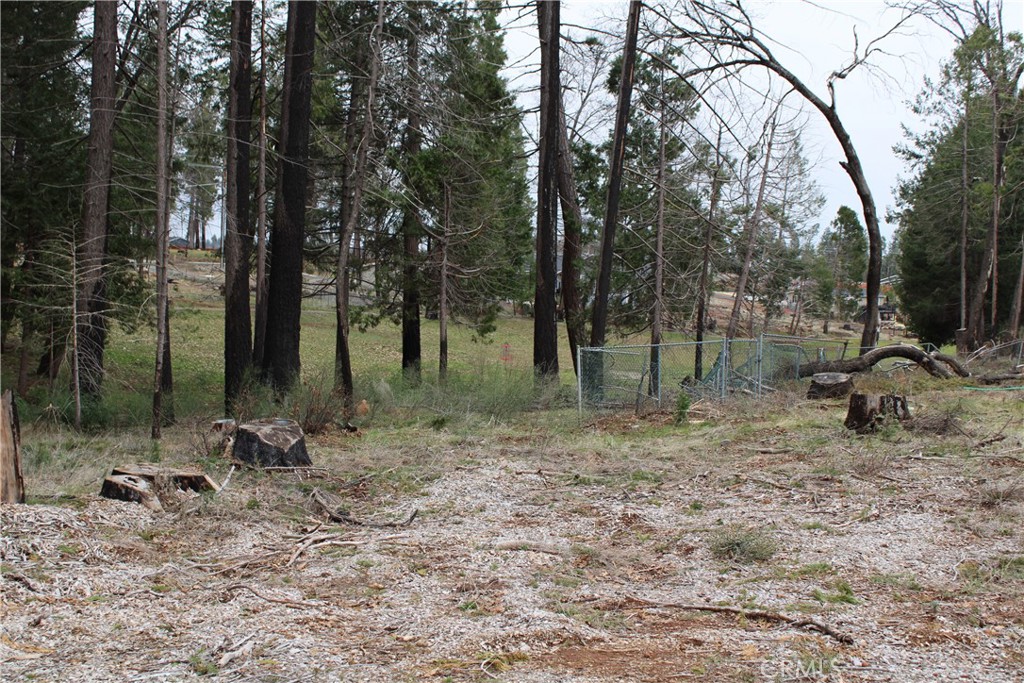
868 411
144 482
271 443
830 385
12 485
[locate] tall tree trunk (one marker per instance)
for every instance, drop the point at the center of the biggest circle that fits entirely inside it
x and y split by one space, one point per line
160 231
1018 297
572 224
261 202
412 351
659 264
705 266
987 271
965 210
88 314
599 321
753 226
238 237
545 320
442 298
281 362
342 360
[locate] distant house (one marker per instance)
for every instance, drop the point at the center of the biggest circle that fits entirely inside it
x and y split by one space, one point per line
179 243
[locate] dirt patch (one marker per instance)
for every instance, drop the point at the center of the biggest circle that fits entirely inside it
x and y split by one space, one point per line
546 555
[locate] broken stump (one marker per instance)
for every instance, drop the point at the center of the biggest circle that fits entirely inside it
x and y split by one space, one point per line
143 482
12 484
271 443
867 411
830 385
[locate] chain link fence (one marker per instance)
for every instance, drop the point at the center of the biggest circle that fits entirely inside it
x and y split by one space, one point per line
648 377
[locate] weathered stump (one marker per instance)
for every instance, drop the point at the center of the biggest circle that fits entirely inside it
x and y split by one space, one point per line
12 485
867 411
830 385
271 443
143 483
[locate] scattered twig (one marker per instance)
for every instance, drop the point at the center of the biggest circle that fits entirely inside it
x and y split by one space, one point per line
764 615
294 604
336 514
530 546
226 480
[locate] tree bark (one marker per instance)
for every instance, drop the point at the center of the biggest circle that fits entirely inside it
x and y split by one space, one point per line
599 321
545 322
238 238
88 313
281 363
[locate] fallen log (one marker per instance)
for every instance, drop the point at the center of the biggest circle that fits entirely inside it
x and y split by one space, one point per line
931 363
143 482
830 385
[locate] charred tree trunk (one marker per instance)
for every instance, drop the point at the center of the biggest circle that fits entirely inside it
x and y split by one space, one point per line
412 350
545 321
238 238
572 224
281 361
599 323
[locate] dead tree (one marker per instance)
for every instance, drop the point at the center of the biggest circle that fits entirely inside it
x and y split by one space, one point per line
731 42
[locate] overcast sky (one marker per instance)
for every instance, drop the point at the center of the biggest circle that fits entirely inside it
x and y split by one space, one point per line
812 40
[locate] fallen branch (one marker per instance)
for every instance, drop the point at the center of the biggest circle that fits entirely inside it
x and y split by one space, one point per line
865 362
764 615
336 514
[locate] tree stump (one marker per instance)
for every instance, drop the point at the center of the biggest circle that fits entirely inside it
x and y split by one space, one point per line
830 385
143 483
867 411
12 485
271 443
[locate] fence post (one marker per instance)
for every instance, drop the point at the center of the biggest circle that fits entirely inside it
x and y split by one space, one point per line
760 377
579 379
661 363
724 374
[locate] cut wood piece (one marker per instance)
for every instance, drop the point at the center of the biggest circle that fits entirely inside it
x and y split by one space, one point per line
12 485
868 411
830 385
184 480
225 426
133 489
271 443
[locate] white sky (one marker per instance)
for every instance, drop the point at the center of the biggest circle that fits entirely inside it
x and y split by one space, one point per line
812 41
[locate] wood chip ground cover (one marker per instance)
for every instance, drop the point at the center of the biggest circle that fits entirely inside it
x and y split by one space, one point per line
568 552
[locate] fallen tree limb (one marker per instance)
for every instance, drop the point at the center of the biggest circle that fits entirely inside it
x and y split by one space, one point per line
763 615
931 363
336 514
